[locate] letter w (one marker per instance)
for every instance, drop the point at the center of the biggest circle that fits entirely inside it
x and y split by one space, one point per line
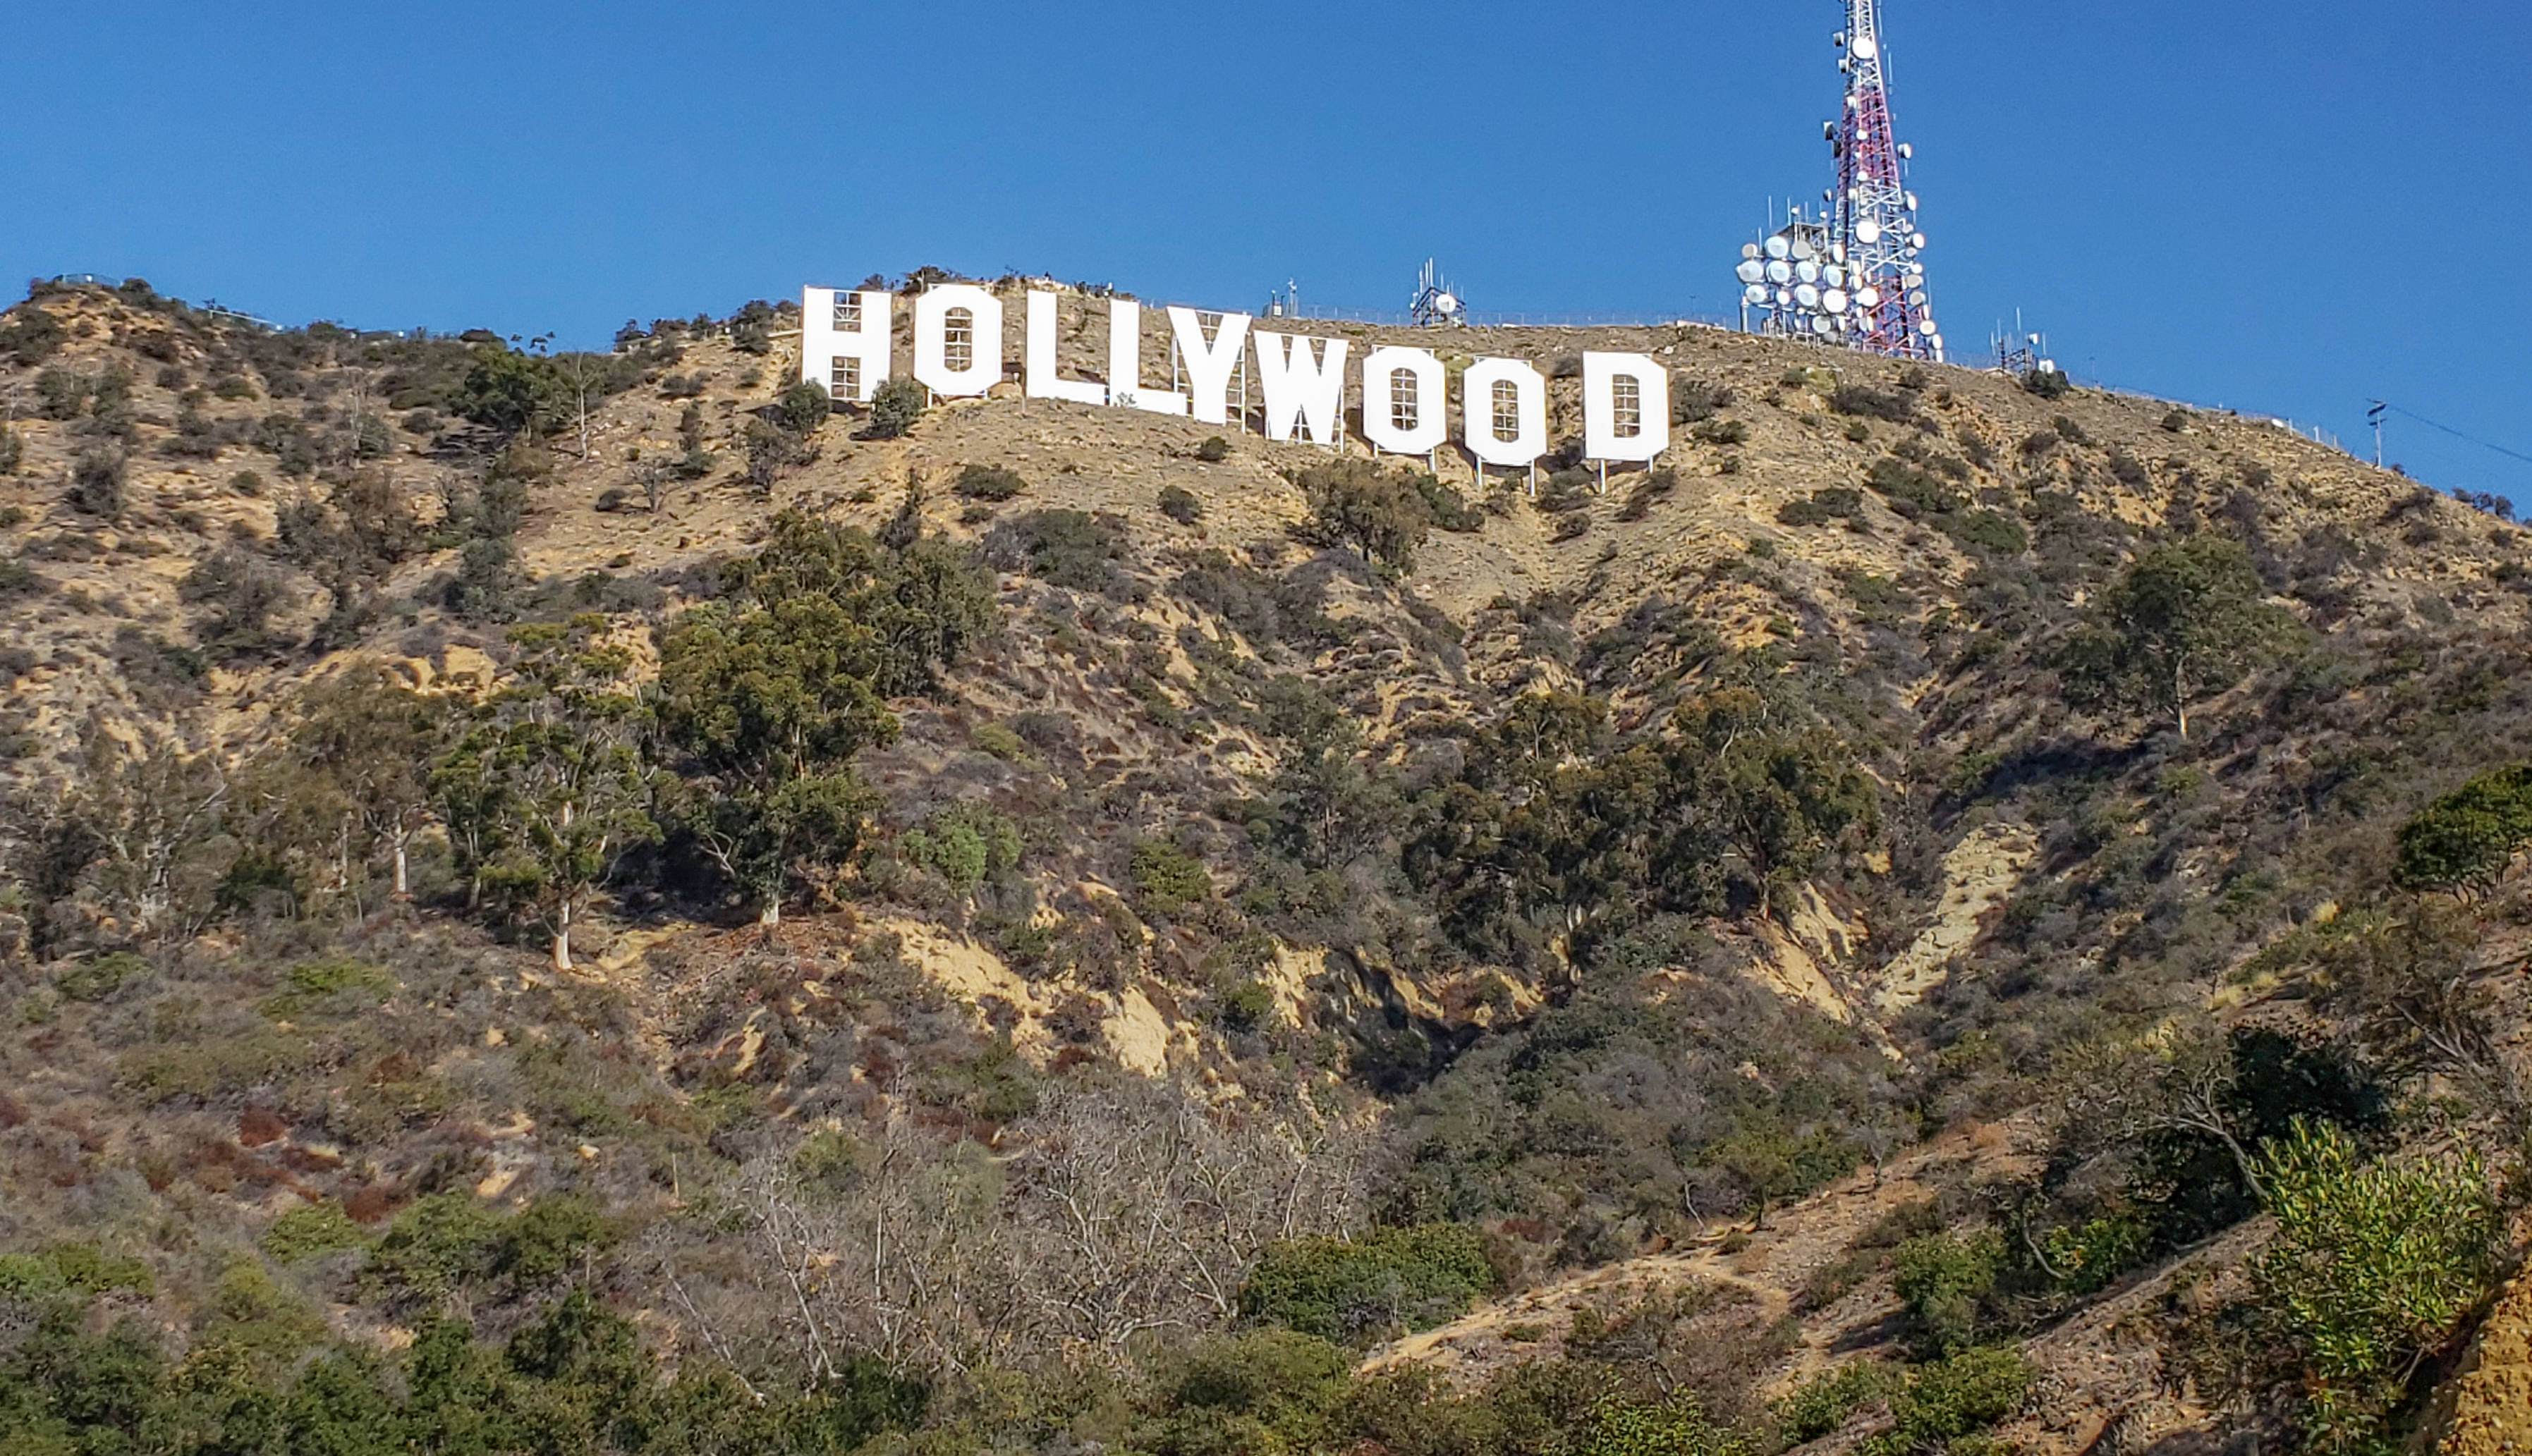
1300 389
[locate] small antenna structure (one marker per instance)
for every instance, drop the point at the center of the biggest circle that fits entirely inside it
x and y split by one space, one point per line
1437 304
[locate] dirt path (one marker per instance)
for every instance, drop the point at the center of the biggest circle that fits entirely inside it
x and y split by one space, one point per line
1772 1263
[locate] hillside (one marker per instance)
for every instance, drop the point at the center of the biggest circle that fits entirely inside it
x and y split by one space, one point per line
1088 931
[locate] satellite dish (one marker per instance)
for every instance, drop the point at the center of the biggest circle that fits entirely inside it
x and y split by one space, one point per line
1905 152
1808 271
1819 324
1834 276
1866 297
1804 250
1918 298
1749 250
1806 296
1927 328
1777 247
1444 303
1867 231
1866 47
1910 196
1837 251
1780 271
1755 293
1835 300
1784 298
1751 270
1917 241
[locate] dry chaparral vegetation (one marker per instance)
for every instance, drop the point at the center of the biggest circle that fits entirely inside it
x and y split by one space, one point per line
589 902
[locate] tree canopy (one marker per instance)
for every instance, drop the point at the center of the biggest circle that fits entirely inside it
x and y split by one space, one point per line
2186 621
764 698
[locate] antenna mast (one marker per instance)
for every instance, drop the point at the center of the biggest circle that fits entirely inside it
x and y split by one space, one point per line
1853 277
1874 214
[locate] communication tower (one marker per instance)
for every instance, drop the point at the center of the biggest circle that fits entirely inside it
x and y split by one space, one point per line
1864 283
1436 304
2021 352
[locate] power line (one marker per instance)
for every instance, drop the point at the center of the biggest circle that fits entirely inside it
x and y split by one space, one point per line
2458 436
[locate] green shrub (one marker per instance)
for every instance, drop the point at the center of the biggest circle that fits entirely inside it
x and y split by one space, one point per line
895 405
1827 1401
1911 491
2468 836
1833 503
1720 431
1167 879
771 451
312 1231
1677 1426
1356 1291
1954 1398
13 451
1989 532
965 844
989 482
96 980
81 1268
18 579
1181 505
2089 1256
801 409
1382 515
453 1241
1245 1006
550 1238
1214 450
436 1246
1941 1278
998 740
30 336
509 390
1065 547
337 984
96 482
1693 401
1259 1368
1448 509
2372 1270
2049 385
1899 407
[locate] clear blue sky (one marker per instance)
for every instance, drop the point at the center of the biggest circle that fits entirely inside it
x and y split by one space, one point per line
2281 208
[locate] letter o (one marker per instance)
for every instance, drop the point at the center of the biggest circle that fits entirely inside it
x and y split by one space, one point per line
1527 411
932 362
1380 370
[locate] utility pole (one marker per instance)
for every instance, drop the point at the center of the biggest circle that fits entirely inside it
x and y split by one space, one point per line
2374 418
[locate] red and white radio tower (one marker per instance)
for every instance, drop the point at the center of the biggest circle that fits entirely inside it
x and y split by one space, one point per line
1874 214
1856 275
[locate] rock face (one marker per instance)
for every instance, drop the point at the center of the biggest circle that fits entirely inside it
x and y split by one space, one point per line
2488 1409
1978 875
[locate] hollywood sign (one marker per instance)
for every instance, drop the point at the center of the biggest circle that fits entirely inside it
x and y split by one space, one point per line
959 354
